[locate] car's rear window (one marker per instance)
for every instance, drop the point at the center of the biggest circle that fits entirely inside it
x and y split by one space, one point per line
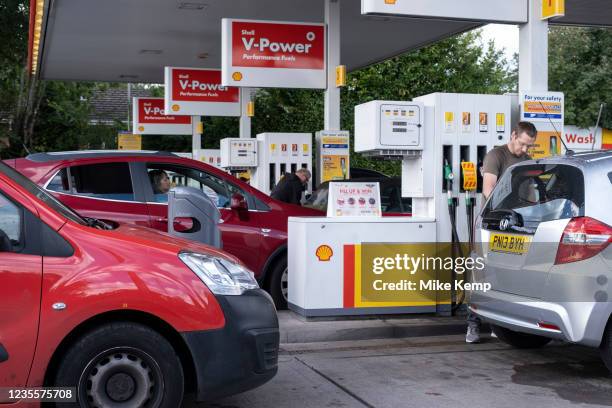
540 193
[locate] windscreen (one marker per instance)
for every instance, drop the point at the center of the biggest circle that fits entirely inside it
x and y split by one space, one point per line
41 194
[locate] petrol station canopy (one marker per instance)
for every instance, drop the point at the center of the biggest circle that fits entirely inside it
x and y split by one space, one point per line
132 40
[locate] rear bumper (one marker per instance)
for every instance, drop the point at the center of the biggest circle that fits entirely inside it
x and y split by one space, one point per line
243 354
579 322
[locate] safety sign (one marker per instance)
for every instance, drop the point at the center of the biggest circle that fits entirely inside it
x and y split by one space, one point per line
542 106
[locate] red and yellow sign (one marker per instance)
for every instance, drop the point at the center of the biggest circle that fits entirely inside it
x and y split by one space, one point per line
364 286
469 176
606 141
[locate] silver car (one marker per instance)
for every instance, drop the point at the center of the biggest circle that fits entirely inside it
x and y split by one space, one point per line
544 235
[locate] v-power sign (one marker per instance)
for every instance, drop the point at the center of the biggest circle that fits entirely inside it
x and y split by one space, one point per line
273 54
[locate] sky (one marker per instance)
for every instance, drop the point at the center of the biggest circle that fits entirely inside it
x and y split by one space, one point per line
505 36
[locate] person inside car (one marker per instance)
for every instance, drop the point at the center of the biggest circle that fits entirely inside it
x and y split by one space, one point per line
160 181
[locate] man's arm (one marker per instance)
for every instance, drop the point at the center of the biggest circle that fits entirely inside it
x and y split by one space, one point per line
488 182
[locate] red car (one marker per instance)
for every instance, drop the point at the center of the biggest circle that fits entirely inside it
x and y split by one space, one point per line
123 314
115 186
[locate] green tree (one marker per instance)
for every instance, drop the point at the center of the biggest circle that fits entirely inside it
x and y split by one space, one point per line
44 115
580 66
458 64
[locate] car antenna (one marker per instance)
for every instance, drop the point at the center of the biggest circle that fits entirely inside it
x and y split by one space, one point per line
568 152
597 125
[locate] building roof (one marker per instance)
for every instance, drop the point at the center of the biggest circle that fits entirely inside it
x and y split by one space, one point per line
111 104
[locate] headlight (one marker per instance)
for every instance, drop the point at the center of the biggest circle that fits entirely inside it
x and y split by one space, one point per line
221 276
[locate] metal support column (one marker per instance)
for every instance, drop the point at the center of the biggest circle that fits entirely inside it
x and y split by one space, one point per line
196 136
332 93
533 50
245 119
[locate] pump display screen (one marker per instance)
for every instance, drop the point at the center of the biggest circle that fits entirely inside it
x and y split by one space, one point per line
400 125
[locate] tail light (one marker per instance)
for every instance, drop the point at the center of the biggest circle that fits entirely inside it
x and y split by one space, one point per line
583 238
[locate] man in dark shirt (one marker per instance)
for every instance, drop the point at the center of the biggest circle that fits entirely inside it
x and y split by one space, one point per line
289 189
500 158
495 164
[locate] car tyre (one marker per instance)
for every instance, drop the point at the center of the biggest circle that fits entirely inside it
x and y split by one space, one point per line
278 285
122 365
606 347
520 340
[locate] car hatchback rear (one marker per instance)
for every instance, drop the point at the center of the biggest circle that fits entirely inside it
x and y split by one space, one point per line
544 236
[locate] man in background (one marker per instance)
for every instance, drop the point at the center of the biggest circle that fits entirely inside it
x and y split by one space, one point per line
289 189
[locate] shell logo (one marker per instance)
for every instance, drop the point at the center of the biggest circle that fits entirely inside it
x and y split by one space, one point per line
324 253
176 108
141 128
237 76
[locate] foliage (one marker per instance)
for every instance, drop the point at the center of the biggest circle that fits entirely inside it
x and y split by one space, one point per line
458 64
580 66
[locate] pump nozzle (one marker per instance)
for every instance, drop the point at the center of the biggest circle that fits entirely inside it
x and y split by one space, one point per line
448 176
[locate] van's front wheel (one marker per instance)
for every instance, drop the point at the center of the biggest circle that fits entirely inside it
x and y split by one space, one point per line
121 365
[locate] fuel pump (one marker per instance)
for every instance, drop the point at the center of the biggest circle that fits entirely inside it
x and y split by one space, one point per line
452 203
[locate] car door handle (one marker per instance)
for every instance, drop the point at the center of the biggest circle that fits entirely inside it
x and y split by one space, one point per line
161 219
265 230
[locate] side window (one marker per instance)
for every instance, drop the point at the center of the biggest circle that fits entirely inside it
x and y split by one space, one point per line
11 220
215 188
110 181
59 182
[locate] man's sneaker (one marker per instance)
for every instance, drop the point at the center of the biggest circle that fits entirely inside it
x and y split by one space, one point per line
473 334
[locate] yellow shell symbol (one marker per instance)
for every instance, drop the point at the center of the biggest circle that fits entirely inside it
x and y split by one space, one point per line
237 76
141 128
176 108
324 253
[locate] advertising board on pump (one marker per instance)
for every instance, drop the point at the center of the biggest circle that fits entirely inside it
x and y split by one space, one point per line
274 54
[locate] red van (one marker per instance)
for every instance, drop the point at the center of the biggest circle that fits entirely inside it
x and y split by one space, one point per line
114 185
122 313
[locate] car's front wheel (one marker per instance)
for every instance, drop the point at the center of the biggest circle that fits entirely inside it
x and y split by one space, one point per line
122 365
520 340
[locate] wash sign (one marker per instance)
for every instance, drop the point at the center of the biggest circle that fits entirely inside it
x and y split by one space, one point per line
150 118
273 54
541 106
191 91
